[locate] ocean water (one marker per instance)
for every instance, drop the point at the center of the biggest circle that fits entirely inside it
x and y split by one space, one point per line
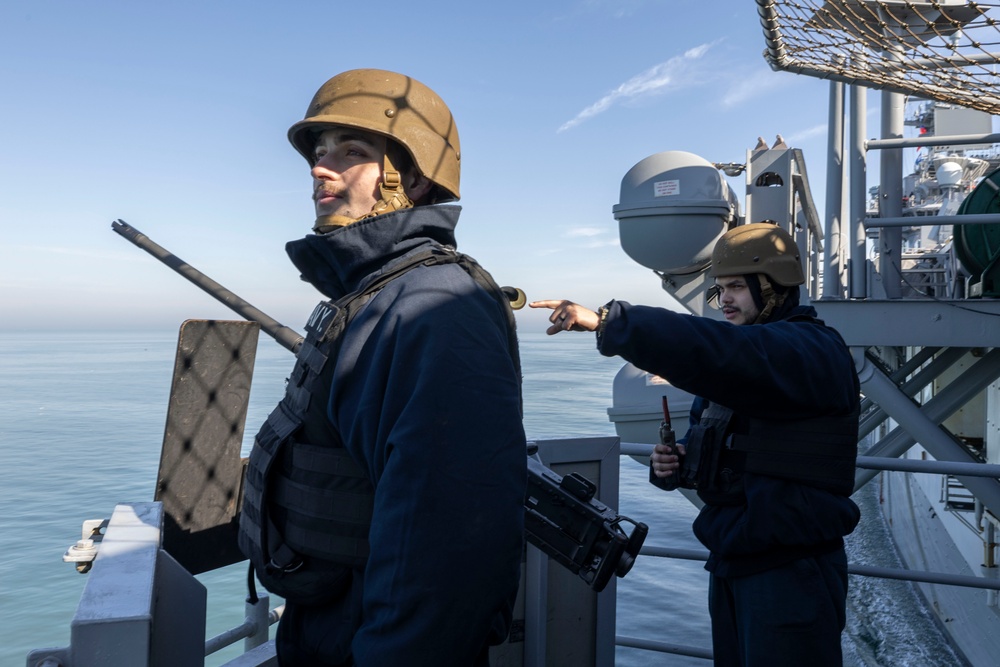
81 424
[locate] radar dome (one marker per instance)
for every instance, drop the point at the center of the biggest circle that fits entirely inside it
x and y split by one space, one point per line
949 173
673 207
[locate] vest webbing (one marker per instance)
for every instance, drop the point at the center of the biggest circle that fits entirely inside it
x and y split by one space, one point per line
820 452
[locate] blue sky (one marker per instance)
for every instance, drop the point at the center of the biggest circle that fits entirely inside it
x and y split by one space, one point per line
172 116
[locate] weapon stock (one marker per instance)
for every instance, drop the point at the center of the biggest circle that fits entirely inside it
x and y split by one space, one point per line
561 516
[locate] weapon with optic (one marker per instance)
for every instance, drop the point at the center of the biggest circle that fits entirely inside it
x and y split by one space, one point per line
562 517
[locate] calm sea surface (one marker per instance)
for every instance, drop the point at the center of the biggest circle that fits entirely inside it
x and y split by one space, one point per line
81 424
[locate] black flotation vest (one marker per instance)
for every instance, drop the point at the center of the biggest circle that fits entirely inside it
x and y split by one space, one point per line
819 452
307 503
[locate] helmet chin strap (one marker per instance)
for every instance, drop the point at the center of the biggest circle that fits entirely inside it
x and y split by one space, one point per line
769 297
393 199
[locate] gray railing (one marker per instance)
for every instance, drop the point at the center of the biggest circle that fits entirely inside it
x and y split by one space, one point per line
133 541
254 628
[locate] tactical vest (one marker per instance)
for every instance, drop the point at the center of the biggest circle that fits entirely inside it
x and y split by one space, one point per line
307 504
819 452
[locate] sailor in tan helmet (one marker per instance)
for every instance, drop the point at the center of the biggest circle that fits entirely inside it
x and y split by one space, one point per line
771 448
384 495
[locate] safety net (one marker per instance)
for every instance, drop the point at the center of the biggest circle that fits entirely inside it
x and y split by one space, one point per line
947 50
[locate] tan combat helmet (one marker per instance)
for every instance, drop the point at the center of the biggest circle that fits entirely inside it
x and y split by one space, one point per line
760 248
398 107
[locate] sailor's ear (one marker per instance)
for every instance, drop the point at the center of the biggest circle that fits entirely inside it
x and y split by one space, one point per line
418 188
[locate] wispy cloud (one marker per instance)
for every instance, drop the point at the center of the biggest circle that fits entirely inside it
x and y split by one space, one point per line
673 74
617 9
586 238
585 231
70 251
596 237
747 86
808 133
603 243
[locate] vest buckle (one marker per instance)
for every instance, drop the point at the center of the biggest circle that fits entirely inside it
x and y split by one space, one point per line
284 561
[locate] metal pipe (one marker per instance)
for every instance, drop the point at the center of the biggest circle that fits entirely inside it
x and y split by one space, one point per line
276 614
890 203
254 629
674 552
832 258
933 220
990 548
636 449
972 469
858 259
925 577
990 544
861 570
230 637
663 647
775 52
938 140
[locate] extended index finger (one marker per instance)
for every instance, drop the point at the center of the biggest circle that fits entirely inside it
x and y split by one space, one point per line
552 303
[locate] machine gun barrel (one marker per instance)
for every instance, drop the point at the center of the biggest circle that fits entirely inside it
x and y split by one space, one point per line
562 517
287 337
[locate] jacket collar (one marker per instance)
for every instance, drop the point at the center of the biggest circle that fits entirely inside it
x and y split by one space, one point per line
339 262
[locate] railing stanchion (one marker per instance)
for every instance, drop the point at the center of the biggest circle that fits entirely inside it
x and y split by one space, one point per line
257 614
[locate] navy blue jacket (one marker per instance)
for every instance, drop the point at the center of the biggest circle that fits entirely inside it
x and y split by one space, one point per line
425 396
779 371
